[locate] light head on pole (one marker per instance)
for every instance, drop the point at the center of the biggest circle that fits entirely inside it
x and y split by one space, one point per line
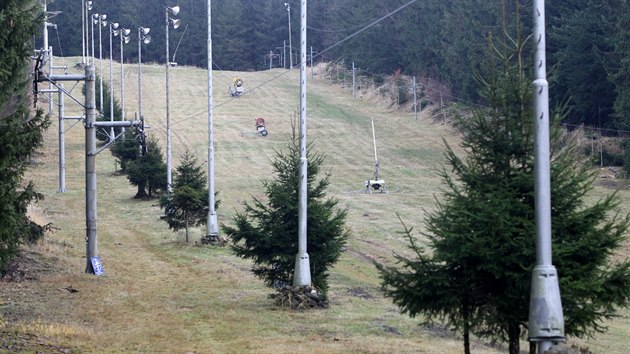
176 22
146 39
174 10
114 26
126 39
144 30
125 31
88 5
103 17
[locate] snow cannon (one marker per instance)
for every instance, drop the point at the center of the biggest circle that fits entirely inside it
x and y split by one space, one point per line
237 87
260 126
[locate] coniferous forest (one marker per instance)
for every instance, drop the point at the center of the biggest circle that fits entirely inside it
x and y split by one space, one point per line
587 45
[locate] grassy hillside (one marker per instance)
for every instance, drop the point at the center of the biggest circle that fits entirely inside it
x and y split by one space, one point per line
160 294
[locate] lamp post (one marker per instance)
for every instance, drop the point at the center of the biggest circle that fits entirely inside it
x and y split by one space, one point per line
288 6
546 321
302 272
86 6
143 37
124 39
212 232
113 30
101 23
93 20
175 23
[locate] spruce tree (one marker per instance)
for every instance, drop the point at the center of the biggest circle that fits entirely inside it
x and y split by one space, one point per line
482 232
267 230
187 205
126 148
21 130
148 173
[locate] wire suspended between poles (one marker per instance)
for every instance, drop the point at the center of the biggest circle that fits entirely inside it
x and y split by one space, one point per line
93 263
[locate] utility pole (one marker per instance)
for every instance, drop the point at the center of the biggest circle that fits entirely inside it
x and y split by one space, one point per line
93 265
284 54
546 321
91 246
302 273
290 45
311 62
415 99
212 233
169 168
62 143
113 26
353 81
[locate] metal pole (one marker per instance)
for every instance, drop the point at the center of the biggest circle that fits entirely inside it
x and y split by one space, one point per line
51 87
169 180
92 25
62 144
311 62
111 86
122 80
284 54
90 168
546 321
140 73
270 59
375 155
212 227
415 99
290 45
302 273
100 59
83 32
353 81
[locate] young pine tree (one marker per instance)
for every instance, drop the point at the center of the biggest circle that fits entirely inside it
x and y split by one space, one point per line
267 231
187 205
482 232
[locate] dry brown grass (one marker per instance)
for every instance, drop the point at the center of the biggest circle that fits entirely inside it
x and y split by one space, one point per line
162 295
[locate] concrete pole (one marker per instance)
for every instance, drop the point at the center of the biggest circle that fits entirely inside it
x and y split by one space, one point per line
62 144
212 227
111 85
302 273
546 321
90 168
169 167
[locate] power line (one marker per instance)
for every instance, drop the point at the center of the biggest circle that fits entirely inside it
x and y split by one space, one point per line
368 26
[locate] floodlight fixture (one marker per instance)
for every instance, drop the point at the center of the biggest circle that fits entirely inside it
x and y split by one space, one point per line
176 22
144 30
146 39
89 5
125 31
174 10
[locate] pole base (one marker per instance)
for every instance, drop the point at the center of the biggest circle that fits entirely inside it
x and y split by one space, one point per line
302 273
546 321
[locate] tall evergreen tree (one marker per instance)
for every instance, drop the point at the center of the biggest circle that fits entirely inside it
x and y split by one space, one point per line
187 205
482 231
126 148
267 231
21 130
148 172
